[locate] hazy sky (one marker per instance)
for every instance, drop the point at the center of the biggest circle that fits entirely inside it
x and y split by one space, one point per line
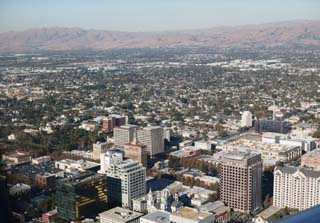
150 15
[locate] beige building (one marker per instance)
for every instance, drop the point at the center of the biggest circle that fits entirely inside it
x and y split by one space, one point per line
240 180
120 215
123 134
153 138
296 187
270 151
136 151
100 148
191 215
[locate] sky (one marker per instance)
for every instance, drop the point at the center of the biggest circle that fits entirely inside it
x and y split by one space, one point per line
150 15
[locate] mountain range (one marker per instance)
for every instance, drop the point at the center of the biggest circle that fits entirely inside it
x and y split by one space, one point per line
303 33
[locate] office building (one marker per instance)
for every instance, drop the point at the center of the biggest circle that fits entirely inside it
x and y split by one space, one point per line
111 157
246 119
153 138
108 123
123 134
296 187
99 148
81 196
191 215
240 180
136 151
272 126
125 181
120 215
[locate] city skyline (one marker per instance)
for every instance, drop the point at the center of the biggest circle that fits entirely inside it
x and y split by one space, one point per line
150 15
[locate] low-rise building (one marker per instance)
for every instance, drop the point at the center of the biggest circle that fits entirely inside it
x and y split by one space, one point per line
156 217
41 159
17 157
191 215
311 159
120 215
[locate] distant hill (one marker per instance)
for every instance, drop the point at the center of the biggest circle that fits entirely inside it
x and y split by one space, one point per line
286 34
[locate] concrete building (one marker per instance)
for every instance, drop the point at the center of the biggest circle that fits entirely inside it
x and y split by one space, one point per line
191 215
120 215
156 217
270 152
204 145
306 144
153 138
69 165
136 151
246 119
124 134
99 148
311 159
125 180
240 180
111 157
296 187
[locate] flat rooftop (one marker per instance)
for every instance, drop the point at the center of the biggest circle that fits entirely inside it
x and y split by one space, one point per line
239 155
192 213
158 216
119 214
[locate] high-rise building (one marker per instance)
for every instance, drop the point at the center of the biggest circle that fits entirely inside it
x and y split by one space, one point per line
136 151
112 121
123 134
81 196
246 119
153 138
99 148
240 180
296 187
111 157
125 181
120 215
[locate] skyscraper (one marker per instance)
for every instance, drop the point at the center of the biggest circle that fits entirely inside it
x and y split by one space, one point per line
153 138
240 177
125 181
81 196
123 134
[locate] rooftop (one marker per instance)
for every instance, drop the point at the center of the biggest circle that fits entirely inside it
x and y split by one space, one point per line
119 214
192 213
158 216
239 155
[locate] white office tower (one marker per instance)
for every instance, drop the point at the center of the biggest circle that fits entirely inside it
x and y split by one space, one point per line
246 119
296 187
123 134
125 181
109 158
99 148
153 138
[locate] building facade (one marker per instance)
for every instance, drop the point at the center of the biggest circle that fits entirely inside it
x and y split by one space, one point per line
125 181
123 134
81 196
296 187
240 180
246 119
99 148
153 138
137 152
